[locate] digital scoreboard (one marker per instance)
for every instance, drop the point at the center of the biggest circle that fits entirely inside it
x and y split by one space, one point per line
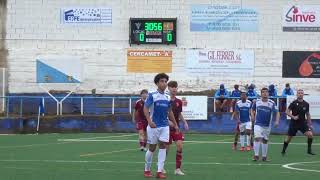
153 31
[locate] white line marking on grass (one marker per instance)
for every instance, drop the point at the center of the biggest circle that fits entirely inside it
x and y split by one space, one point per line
108 152
63 142
126 150
288 166
200 142
118 136
133 162
33 145
20 168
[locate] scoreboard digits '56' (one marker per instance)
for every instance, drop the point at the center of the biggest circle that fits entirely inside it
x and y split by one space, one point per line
153 31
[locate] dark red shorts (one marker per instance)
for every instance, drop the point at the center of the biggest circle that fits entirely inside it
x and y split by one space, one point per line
141 126
176 136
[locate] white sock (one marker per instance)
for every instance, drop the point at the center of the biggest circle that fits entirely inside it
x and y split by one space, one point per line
248 140
148 158
256 146
242 140
161 158
264 150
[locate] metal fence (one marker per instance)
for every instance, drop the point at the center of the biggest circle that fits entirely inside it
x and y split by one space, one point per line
20 106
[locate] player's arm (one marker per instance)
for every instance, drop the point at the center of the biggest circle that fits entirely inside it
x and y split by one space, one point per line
135 113
277 113
309 117
186 126
253 112
147 114
253 115
289 110
172 119
146 107
235 114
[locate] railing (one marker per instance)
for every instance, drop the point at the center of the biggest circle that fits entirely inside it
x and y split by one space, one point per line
19 106
278 98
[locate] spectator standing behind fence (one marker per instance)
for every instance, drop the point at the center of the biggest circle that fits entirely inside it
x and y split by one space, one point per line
273 93
221 101
236 93
287 91
251 93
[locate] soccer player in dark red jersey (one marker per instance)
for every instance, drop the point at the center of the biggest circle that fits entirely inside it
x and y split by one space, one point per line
178 137
140 119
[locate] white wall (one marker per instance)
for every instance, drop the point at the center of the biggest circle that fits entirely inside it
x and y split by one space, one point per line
34 29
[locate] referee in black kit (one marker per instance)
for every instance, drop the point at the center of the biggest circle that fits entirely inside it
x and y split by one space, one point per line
298 110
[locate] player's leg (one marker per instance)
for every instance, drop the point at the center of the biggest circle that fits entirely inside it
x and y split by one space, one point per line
145 137
164 134
142 139
264 145
171 139
248 133
292 131
257 141
307 132
152 141
236 137
252 135
179 143
264 148
242 136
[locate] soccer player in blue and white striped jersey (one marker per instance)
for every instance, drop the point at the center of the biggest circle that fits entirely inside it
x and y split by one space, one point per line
157 110
263 111
242 114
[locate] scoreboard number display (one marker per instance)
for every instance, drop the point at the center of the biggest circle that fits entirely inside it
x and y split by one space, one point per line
153 31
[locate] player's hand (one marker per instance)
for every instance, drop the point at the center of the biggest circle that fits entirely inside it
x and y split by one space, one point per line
276 124
152 124
295 117
186 127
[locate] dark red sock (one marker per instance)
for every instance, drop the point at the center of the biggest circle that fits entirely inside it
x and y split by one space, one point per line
178 159
144 144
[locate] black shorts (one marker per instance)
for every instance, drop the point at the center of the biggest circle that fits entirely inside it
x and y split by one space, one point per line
294 128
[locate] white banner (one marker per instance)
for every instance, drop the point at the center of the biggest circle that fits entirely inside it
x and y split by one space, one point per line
194 107
301 18
220 62
314 105
86 15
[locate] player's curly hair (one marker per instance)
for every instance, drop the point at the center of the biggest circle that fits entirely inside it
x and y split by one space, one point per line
160 76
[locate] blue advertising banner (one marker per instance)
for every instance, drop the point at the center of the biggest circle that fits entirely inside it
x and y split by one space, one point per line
75 15
223 18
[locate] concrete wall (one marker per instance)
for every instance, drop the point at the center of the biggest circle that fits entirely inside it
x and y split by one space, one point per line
33 29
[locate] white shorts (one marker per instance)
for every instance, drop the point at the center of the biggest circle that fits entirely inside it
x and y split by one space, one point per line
261 132
244 126
157 134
